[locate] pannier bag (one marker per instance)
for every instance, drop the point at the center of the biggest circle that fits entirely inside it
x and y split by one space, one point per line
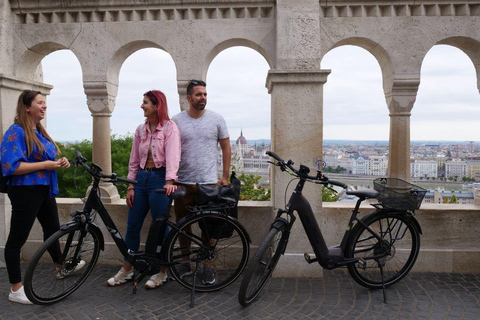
216 196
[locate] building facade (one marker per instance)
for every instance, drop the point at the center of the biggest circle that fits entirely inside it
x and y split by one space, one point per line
424 169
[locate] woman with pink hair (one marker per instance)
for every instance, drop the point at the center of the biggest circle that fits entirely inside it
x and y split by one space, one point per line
154 162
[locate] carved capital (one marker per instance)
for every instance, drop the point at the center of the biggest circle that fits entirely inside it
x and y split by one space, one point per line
295 76
100 96
401 98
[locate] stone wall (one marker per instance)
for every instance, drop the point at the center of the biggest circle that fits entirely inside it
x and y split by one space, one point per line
449 243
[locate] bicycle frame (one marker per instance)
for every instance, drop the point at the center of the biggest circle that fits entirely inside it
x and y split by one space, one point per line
328 258
94 203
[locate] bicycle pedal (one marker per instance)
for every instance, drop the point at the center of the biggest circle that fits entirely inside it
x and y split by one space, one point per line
308 258
362 263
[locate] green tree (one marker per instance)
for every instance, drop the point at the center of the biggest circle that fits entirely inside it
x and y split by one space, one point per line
453 199
66 181
329 195
251 190
121 147
330 169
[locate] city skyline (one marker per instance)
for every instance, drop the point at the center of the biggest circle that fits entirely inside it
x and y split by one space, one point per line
353 108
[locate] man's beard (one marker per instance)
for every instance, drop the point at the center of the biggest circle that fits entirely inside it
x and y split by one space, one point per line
198 106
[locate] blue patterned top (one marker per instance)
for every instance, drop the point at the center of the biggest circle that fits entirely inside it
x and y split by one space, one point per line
13 150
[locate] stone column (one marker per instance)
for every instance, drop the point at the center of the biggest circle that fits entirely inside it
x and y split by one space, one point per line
10 89
101 102
400 102
297 107
182 93
296 88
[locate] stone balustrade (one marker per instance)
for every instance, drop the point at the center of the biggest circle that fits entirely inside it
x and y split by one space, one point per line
449 242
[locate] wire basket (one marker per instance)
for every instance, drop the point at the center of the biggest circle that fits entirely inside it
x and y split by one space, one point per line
399 194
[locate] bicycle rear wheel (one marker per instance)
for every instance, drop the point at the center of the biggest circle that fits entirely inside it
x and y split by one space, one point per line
396 253
262 265
225 253
75 251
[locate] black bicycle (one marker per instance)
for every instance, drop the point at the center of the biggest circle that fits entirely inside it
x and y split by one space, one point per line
209 236
378 249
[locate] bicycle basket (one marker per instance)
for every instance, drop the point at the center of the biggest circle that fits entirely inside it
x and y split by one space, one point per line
399 194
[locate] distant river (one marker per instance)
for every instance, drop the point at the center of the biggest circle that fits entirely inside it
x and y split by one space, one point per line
367 182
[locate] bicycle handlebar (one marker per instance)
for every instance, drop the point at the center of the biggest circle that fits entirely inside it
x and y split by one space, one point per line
95 170
303 171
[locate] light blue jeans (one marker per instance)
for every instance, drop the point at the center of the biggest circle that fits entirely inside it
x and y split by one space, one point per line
145 199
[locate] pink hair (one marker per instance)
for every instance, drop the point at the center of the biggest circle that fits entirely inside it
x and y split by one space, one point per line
159 100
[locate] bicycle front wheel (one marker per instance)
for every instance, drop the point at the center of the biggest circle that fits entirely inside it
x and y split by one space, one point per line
61 264
216 243
262 265
395 253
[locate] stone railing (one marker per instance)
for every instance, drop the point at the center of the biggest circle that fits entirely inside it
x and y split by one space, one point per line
449 243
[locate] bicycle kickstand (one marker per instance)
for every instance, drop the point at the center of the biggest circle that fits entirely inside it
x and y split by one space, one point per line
137 281
192 297
383 284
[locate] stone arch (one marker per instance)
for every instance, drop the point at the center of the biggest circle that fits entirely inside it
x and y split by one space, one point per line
233 43
29 63
470 47
380 54
116 63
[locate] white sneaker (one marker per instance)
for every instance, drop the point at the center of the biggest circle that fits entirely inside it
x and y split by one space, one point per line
120 278
62 272
156 280
19 296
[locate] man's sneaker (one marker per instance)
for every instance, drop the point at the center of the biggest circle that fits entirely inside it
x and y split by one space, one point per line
19 296
208 276
62 272
120 278
184 270
156 280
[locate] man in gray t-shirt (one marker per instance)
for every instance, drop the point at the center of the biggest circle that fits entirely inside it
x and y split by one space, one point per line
200 137
201 130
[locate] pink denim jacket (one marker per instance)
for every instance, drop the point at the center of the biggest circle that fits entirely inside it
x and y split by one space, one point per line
166 149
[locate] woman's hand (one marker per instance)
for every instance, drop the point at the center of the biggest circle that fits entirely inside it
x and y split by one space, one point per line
170 187
27 167
63 162
130 197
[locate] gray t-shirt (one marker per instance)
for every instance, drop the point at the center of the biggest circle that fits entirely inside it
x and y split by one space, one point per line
200 138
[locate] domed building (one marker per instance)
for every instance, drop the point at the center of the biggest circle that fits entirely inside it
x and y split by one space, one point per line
241 145
250 159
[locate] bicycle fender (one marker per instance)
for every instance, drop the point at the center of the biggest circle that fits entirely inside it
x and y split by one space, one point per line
279 222
91 227
239 224
69 225
95 229
415 222
410 217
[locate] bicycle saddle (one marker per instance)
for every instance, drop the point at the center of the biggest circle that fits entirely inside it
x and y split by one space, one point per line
180 192
363 193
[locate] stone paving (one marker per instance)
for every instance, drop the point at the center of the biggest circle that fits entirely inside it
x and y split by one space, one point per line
335 296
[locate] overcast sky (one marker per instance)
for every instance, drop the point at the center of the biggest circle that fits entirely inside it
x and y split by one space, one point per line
447 105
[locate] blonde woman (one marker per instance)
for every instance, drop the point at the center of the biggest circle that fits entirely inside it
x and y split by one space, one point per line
28 155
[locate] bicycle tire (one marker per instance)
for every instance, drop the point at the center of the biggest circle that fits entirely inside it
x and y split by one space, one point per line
263 264
43 284
404 239
227 257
